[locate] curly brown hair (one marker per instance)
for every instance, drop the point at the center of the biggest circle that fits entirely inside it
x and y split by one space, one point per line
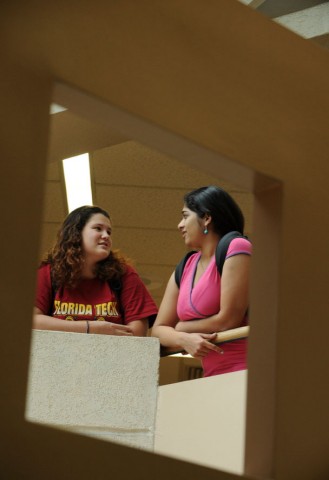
66 256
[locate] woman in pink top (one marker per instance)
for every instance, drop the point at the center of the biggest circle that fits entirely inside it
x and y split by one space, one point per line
206 302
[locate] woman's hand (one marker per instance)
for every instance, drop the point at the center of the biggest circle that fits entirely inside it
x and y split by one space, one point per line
199 344
109 328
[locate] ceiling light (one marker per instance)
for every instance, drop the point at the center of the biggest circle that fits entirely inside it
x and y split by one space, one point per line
55 108
77 181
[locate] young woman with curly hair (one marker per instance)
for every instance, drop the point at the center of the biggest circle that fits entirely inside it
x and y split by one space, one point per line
84 286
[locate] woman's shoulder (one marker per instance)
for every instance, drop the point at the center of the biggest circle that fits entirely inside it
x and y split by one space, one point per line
129 270
44 276
44 269
239 245
130 274
194 255
191 261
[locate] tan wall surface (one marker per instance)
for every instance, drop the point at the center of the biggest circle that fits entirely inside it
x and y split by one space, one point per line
97 385
204 420
230 80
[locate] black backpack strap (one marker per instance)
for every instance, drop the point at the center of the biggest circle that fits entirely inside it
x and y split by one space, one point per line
222 247
180 267
116 287
53 293
221 251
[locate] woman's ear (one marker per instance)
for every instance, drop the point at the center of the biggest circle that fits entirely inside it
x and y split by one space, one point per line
207 219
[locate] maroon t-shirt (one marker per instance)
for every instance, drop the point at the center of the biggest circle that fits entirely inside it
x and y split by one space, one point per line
93 299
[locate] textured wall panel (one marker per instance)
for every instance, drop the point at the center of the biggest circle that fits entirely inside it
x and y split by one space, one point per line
98 385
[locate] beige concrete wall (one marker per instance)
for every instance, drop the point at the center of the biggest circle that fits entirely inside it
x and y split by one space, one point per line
230 82
204 421
101 386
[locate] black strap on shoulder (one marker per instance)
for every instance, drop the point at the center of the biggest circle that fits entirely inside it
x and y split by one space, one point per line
180 267
53 293
222 247
116 287
220 254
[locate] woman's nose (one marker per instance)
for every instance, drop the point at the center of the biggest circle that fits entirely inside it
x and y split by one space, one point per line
180 225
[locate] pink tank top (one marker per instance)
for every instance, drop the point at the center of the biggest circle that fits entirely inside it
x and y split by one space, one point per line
203 300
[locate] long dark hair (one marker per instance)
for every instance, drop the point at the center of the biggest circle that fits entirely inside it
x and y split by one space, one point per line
225 213
66 256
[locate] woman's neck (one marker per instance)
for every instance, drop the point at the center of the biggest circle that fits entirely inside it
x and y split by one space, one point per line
209 247
88 270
